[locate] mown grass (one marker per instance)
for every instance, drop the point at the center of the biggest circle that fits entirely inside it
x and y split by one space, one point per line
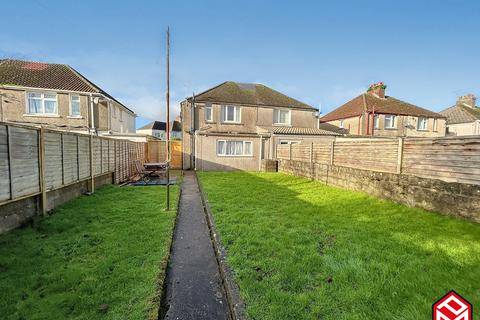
96 257
303 250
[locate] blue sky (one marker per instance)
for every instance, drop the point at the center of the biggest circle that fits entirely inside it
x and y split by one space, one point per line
321 52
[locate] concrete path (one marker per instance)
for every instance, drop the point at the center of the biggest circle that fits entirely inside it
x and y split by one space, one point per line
193 289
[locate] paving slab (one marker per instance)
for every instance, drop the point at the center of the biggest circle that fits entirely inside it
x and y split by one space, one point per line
194 288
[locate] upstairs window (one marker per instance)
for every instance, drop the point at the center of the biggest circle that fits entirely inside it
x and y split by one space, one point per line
231 114
281 117
75 106
390 121
435 125
208 112
342 124
234 148
422 123
42 103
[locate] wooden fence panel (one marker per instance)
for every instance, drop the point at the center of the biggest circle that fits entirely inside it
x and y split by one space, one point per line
105 155
4 165
53 160
449 159
374 155
25 171
97 156
321 152
301 152
157 153
283 151
84 157
70 158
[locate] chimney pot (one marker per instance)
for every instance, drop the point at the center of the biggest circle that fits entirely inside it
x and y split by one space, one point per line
377 89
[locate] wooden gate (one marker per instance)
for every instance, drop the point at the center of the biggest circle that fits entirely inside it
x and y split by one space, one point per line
156 152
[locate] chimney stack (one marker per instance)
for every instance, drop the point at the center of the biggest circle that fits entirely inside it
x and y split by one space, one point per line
467 101
377 89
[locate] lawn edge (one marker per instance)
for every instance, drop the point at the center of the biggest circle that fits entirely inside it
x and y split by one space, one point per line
154 307
232 290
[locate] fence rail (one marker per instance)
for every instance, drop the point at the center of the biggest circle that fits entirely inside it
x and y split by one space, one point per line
36 160
451 159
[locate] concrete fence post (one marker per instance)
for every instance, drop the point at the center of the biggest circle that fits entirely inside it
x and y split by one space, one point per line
290 151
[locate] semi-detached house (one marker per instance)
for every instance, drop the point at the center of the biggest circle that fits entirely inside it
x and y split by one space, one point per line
57 96
373 113
237 125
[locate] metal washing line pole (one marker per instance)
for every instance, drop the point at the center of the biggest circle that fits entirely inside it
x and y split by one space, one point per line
167 145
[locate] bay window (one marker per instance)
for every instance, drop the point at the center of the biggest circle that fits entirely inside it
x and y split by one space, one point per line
281 117
390 121
39 103
234 148
231 114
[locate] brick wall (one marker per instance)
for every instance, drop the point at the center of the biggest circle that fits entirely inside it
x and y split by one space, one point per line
451 198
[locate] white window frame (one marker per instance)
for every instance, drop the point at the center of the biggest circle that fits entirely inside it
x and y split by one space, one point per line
276 117
376 121
424 121
394 121
209 107
435 124
236 115
70 113
43 113
341 124
234 155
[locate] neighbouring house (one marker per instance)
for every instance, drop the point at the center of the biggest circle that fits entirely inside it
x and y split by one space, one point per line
236 125
463 118
375 114
57 96
158 129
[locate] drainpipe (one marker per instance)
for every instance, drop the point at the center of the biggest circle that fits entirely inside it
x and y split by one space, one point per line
260 154
195 150
92 117
193 138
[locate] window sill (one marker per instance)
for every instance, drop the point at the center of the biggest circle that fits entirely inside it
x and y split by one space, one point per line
41 115
234 156
231 122
282 125
75 117
422 130
390 129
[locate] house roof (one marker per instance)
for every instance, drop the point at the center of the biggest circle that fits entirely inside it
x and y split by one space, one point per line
331 127
51 76
387 105
160 125
249 94
299 131
461 114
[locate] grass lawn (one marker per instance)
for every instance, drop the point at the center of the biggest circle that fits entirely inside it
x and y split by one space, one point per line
96 257
303 250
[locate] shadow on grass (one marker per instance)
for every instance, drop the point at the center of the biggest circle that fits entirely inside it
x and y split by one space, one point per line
96 257
303 250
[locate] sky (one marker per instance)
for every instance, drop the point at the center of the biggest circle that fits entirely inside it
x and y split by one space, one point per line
323 53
